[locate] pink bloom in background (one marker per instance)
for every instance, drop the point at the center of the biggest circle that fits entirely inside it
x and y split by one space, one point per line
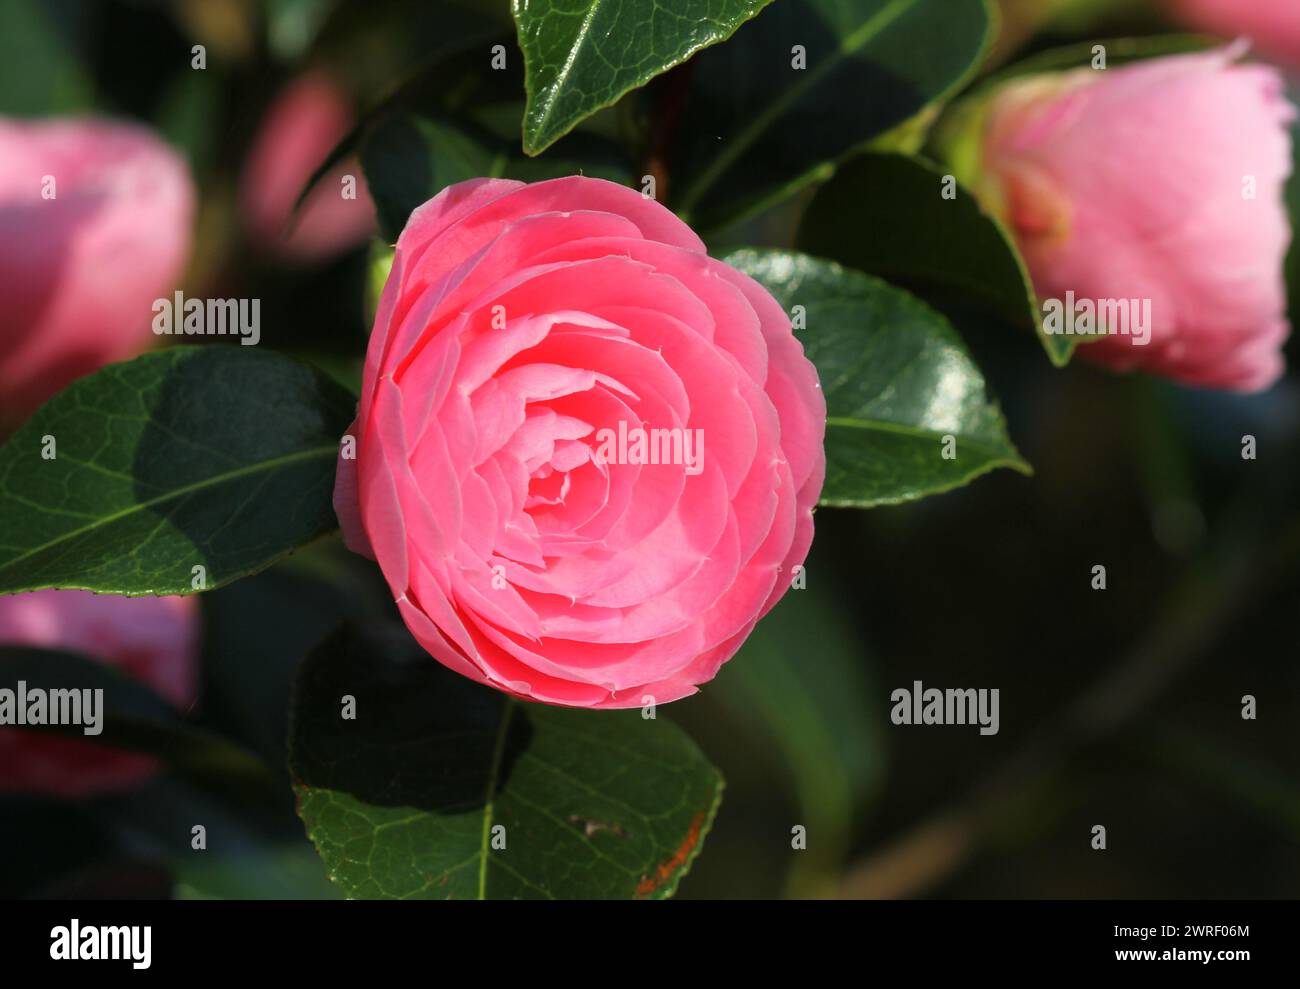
523 329
1273 25
302 126
1134 183
154 640
95 224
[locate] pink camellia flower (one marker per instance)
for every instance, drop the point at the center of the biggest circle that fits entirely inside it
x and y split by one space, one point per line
1273 25
587 454
1160 182
302 126
154 640
94 226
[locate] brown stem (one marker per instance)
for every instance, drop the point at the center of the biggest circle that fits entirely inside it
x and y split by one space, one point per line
673 93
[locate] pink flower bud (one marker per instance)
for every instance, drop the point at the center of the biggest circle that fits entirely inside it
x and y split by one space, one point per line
303 125
1154 190
94 225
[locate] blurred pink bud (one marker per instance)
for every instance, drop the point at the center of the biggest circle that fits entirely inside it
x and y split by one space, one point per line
95 224
153 639
1157 188
303 125
1273 25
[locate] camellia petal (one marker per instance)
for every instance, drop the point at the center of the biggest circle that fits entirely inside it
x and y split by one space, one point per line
587 453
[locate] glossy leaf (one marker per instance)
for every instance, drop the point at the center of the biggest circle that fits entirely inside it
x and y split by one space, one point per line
220 457
582 55
443 789
898 382
757 127
919 237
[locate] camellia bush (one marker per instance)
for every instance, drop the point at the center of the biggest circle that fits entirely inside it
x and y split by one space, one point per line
402 444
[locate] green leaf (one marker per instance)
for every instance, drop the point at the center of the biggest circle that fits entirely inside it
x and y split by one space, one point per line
897 378
136 719
220 456
757 128
582 55
411 798
409 159
40 72
936 246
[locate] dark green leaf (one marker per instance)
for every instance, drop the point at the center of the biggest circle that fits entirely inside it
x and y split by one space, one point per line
897 378
405 800
138 720
757 128
408 159
220 457
257 631
40 73
581 55
915 236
